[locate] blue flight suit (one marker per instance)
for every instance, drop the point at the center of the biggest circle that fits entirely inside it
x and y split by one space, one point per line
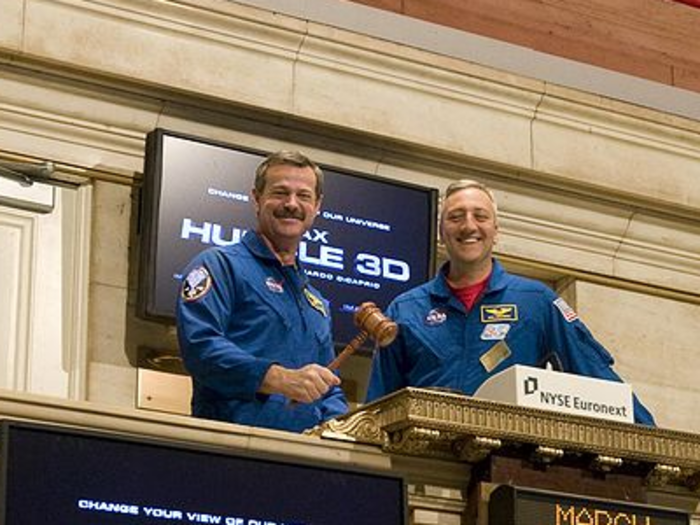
240 311
440 344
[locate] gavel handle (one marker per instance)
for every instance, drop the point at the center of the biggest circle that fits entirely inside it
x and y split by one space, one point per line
348 350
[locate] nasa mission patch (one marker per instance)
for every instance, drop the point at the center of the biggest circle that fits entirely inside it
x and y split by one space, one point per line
196 284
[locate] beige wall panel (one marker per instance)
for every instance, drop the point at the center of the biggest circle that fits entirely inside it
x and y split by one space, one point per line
42 137
112 209
655 344
543 243
394 166
81 103
11 27
236 130
198 51
48 362
618 154
113 385
108 324
16 240
41 333
555 228
662 252
596 237
427 104
673 405
76 123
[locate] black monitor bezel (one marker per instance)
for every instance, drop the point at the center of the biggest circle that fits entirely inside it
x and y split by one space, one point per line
6 426
150 211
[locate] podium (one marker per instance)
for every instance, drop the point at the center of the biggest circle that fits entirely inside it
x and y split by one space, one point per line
454 451
522 446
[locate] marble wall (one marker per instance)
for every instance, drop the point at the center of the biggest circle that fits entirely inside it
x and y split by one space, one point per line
641 329
598 197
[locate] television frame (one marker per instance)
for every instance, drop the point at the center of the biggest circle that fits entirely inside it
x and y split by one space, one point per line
147 307
210 458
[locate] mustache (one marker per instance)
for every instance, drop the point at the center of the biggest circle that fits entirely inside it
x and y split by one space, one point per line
290 214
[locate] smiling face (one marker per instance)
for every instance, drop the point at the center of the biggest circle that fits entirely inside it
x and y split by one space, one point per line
468 228
286 206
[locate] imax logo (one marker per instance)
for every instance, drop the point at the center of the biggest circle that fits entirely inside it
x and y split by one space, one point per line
531 385
315 235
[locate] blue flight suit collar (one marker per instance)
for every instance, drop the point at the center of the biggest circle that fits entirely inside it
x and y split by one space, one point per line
256 245
440 291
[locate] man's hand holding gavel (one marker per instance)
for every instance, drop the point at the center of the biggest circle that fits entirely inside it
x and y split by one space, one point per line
304 385
311 382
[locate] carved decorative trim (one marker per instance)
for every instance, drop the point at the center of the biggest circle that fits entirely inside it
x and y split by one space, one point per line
195 35
77 329
357 426
91 109
475 449
547 455
439 424
18 231
663 475
414 440
606 463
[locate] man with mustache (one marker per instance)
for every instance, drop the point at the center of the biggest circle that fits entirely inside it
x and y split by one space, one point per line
474 319
253 333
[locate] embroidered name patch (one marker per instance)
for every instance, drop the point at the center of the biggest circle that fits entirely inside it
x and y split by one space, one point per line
497 313
569 314
196 284
495 356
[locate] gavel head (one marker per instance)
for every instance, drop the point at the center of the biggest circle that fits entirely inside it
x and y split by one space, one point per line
369 318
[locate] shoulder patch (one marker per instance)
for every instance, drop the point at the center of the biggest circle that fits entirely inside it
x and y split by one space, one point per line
566 311
196 285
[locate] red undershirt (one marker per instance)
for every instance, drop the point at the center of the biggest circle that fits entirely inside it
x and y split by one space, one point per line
468 295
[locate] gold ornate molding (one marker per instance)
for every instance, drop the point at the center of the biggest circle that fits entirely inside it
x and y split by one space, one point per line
476 448
546 455
452 426
360 425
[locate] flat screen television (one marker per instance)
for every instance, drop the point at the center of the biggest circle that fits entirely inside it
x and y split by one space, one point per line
373 238
65 476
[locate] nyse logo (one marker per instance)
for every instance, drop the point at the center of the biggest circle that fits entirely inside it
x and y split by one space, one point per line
531 385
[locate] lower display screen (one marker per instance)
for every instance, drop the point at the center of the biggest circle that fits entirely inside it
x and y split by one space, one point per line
62 477
515 506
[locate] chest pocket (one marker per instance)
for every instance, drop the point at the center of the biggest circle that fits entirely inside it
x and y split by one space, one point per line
265 294
525 343
438 339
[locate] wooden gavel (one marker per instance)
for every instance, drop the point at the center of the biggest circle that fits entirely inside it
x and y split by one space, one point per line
372 323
